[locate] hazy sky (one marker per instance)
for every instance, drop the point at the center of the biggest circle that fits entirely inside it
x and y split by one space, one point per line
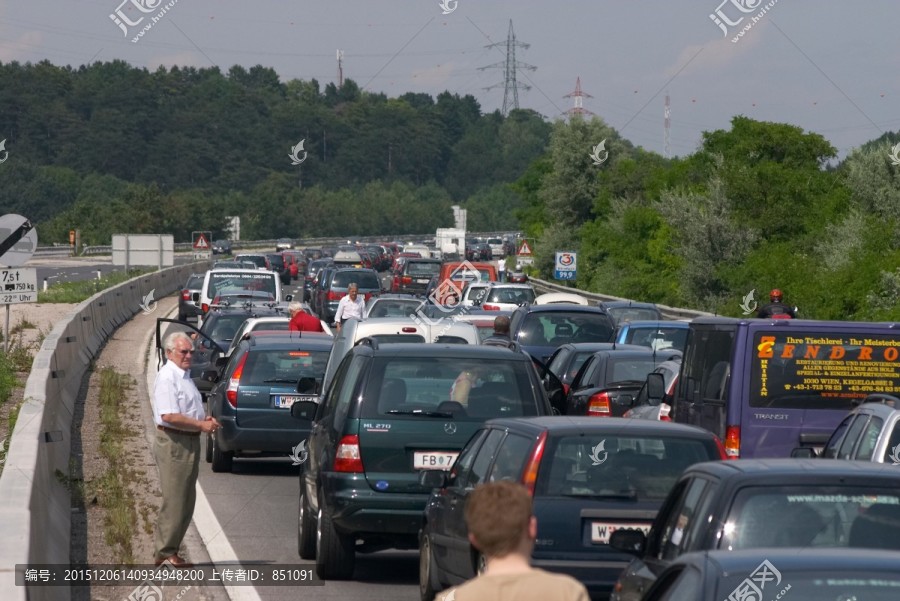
828 66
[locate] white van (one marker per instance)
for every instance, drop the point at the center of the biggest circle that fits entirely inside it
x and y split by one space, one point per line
396 329
266 285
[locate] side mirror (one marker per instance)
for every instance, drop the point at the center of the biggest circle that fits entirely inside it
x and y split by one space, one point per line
304 410
221 360
289 297
628 541
210 375
307 385
656 389
433 478
804 453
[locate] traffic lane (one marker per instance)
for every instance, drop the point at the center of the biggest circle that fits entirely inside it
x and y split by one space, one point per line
256 506
78 269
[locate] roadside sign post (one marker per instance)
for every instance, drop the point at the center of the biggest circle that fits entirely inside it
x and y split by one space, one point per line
524 255
18 241
202 245
566 266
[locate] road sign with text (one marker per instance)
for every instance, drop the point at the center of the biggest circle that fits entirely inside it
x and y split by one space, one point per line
18 240
18 285
566 266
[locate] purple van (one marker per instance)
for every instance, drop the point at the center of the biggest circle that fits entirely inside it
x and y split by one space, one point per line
767 386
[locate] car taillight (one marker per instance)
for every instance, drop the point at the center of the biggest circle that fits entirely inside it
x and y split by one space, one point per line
234 382
664 410
565 389
733 442
204 307
599 404
333 296
529 478
722 453
186 295
406 280
347 459
490 307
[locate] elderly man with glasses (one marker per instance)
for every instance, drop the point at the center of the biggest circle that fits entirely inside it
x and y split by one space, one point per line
180 418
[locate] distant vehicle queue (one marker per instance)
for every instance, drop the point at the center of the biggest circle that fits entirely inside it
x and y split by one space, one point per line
378 393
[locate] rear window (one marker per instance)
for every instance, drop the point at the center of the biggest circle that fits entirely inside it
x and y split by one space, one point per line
633 467
285 366
394 308
195 282
516 296
634 313
624 369
821 371
816 515
494 241
450 387
423 268
658 338
231 283
363 279
257 260
558 328
223 327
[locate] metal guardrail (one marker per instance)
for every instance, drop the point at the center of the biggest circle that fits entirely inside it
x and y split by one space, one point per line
543 286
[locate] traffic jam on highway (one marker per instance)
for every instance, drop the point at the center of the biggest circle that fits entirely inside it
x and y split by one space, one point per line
659 453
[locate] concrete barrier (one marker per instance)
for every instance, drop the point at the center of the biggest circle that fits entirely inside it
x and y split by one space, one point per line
35 502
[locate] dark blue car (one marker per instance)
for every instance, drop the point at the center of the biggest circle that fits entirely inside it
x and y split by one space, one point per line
589 478
541 329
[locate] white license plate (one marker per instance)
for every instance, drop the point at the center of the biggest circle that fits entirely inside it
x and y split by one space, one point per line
422 281
285 401
434 460
601 531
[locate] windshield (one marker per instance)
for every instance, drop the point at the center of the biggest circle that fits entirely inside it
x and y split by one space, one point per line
516 296
815 515
423 268
657 337
822 371
628 368
610 465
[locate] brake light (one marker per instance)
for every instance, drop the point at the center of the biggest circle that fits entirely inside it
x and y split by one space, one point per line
333 296
406 280
347 459
722 453
204 307
534 462
490 307
186 295
599 405
234 382
664 410
733 442
565 389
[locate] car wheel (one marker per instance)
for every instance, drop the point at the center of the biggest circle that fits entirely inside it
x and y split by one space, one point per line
335 555
208 448
221 460
429 585
306 528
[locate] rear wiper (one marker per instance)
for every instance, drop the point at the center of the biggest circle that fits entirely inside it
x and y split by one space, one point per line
280 381
444 414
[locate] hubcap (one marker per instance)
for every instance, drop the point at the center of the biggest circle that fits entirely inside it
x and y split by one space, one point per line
319 535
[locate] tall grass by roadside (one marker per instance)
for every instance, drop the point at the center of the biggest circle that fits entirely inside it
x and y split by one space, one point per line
75 292
112 488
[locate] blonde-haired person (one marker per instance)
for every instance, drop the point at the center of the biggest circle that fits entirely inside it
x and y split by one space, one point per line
502 526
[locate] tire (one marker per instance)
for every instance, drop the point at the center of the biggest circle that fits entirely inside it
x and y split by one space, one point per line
335 555
429 585
222 461
306 528
208 448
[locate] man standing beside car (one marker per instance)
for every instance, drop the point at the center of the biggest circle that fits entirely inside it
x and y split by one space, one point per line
301 321
502 526
180 418
349 306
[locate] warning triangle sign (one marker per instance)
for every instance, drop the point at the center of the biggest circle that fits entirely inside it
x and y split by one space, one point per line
524 249
201 243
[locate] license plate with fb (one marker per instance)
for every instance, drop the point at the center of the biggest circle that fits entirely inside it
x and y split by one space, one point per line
434 460
601 531
284 401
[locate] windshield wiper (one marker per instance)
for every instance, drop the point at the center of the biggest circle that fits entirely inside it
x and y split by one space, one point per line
444 414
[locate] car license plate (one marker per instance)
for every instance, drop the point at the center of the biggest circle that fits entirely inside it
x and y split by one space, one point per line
285 401
420 281
434 460
601 531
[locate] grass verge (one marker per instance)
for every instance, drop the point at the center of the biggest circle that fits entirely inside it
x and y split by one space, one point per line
112 489
75 292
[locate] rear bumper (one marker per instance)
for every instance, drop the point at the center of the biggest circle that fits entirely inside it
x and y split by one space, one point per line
356 508
232 437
